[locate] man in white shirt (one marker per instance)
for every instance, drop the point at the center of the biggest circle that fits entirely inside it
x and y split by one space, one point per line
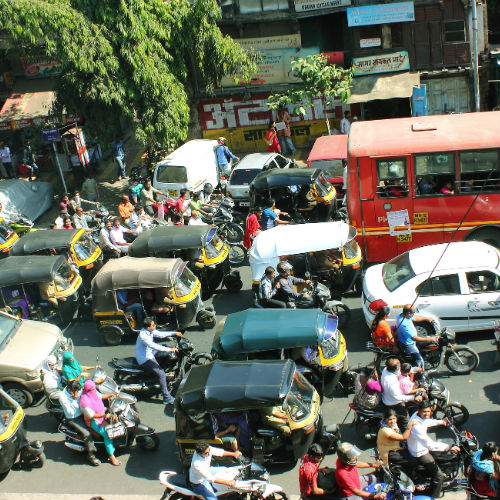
116 236
6 159
138 220
105 241
59 222
201 475
345 123
195 219
70 403
145 349
392 395
420 446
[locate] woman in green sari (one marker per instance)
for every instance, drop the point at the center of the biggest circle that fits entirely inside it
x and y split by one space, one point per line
72 370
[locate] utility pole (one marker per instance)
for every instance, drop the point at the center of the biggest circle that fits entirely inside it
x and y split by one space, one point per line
475 61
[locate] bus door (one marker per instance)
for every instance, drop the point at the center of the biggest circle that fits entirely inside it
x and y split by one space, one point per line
392 194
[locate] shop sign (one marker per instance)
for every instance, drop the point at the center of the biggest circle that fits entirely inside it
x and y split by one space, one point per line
381 14
51 135
364 43
307 5
382 63
40 67
271 42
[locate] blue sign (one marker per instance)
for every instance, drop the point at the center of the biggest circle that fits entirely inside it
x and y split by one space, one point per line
380 14
419 100
51 135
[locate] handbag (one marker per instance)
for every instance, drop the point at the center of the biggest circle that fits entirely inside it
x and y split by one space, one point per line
115 430
326 479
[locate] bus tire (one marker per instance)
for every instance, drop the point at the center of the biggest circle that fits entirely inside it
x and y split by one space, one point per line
489 235
111 335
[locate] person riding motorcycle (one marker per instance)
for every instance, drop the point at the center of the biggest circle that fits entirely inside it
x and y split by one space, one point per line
201 475
420 446
285 280
267 291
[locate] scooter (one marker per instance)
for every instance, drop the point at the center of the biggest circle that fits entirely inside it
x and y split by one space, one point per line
126 430
134 380
251 482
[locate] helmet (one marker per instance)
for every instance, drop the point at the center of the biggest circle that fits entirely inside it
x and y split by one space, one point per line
222 140
284 268
208 188
348 453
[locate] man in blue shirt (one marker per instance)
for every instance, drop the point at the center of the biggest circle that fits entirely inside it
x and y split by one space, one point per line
145 349
118 151
407 333
269 217
224 156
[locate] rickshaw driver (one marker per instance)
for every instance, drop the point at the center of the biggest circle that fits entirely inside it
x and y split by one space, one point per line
145 349
201 475
286 281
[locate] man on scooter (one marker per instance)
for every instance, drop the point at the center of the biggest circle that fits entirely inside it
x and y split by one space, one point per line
285 292
420 446
201 475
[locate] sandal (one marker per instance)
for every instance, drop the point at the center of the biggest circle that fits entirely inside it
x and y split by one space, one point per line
116 463
94 461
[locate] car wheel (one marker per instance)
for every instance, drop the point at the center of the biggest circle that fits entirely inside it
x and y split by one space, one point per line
424 329
19 393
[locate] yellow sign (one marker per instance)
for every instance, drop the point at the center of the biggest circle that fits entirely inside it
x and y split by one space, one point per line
111 322
403 237
420 217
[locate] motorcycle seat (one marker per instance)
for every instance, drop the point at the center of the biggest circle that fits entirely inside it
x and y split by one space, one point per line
129 363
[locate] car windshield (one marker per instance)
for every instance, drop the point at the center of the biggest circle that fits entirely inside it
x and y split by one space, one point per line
64 277
322 186
7 327
84 248
333 168
243 176
171 174
185 282
214 246
299 398
397 271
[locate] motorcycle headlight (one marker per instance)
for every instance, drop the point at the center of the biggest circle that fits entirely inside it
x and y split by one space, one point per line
33 374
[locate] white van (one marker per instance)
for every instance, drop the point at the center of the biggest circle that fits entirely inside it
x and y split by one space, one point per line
189 166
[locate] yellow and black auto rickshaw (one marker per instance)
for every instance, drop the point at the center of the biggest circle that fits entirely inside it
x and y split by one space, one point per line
40 288
14 445
128 289
75 244
200 246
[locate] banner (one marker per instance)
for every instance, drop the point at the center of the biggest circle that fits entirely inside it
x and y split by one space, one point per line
271 42
306 5
380 14
40 67
382 63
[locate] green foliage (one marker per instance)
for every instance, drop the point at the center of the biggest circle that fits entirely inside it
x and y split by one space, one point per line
318 79
142 61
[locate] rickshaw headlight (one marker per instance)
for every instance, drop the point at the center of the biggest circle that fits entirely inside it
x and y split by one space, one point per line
33 374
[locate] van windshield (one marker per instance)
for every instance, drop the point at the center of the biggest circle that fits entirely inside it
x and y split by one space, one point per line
171 174
334 168
243 176
299 398
397 272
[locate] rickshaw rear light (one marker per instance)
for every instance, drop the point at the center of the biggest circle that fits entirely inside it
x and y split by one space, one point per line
90 266
356 266
308 429
5 250
328 202
63 299
182 306
376 305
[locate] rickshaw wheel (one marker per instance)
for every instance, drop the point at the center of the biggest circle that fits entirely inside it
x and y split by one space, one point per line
148 443
19 393
206 320
111 335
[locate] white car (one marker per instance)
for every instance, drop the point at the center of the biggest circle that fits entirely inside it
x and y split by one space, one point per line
463 292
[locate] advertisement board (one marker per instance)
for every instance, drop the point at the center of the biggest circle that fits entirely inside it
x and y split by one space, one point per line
307 5
382 63
40 67
399 12
271 42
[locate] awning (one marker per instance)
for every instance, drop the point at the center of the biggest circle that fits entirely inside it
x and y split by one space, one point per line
396 85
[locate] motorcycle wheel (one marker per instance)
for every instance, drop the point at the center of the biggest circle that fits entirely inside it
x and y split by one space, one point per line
456 412
342 312
468 360
148 443
234 233
237 254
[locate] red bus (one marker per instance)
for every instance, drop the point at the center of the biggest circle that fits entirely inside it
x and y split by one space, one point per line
431 166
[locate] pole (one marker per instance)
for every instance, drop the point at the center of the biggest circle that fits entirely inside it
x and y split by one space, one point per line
475 62
59 167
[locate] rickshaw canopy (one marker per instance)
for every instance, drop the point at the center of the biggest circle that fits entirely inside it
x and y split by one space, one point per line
268 246
257 330
19 270
232 386
37 241
276 177
163 239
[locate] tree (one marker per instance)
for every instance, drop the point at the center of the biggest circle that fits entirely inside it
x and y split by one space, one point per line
144 61
319 79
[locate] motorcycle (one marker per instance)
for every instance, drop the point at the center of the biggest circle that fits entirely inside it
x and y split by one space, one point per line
459 359
127 429
251 483
134 380
367 421
222 217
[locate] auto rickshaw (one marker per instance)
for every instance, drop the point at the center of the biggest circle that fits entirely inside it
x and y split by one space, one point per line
275 407
304 193
200 246
308 336
40 287
75 244
325 251
7 238
163 288
14 444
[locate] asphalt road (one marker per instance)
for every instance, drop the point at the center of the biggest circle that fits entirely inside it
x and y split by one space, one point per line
68 472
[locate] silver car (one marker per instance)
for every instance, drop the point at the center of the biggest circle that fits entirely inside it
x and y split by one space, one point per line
247 169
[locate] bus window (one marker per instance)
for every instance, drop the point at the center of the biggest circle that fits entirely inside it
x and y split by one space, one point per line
433 172
392 178
479 170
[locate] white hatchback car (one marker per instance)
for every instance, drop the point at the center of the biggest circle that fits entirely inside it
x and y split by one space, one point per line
463 292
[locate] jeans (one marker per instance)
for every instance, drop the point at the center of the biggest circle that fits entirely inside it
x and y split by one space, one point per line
205 488
149 210
108 443
434 472
287 146
224 170
78 424
152 366
120 166
137 309
412 350
272 304
34 170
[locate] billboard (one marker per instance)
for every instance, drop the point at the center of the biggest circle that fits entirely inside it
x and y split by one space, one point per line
380 14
